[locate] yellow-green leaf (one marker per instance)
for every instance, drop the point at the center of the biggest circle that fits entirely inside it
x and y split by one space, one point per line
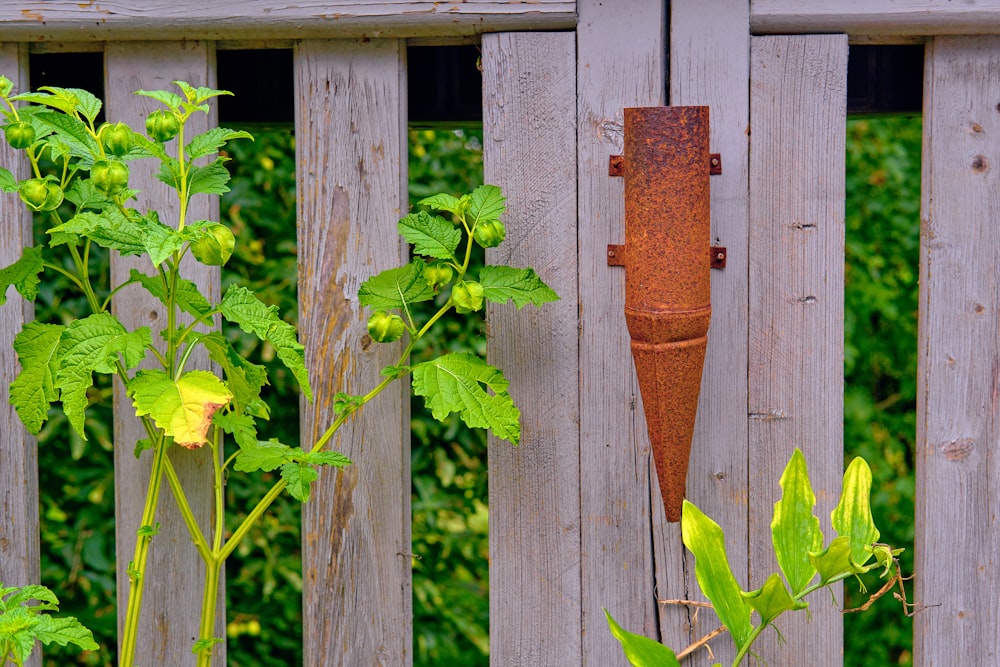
852 517
772 599
795 529
183 409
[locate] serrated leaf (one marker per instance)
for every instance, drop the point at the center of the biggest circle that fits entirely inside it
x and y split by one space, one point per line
242 427
71 132
7 181
83 193
87 104
396 288
522 286
244 378
430 235
109 229
183 408
327 457
210 142
187 296
642 651
34 390
64 630
165 97
211 179
852 517
835 562
486 203
795 529
48 99
159 240
344 402
443 202
23 275
467 385
203 645
30 593
241 307
263 455
772 599
704 538
299 478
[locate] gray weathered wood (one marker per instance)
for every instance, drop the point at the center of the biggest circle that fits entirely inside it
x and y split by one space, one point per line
44 20
798 120
958 404
709 65
351 191
19 550
171 600
875 17
620 63
529 150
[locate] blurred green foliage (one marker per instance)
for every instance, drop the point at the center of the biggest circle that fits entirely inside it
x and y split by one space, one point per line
880 368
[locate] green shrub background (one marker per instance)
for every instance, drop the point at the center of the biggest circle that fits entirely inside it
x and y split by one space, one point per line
449 462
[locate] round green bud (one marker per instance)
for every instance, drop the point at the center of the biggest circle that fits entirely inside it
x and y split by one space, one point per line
109 176
468 296
385 327
162 126
117 138
40 194
438 273
489 233
20 134
214 245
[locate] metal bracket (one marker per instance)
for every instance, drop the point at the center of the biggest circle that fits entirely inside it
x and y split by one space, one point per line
718 257
616 165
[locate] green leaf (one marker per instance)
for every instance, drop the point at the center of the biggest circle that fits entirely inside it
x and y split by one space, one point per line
212 179
73 133
242 427
487 203
704 538
203 645
642 651
852 517
7 181
61 102
33 391
299 478
84 194
182 408
523 286
795 529
199 94
210 142
187 296
244 378
327 457
241 307
64 630
396 288
466 384
129 235
263 455
443 202
30 593
430 235
23 275
159 240
165 97
772 599
835 562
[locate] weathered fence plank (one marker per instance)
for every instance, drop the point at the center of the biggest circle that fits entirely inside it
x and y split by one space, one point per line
798 119
350 139
19 540
958 405
709 65
171 614
529 149
69 20
620 63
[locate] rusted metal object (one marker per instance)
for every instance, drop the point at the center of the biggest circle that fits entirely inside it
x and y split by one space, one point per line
666 165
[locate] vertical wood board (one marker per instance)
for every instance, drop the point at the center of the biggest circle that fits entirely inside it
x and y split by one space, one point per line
709 65
171 614
350 115
958 404
19 540
796 354
620 63
529 140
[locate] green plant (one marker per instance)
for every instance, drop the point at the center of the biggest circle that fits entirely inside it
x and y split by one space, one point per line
798 547
192 408
23 623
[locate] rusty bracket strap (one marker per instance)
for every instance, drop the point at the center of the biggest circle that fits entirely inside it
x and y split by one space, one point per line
666 166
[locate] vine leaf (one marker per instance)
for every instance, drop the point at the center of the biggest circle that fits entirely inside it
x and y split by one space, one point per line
642 651
263 455
772 599
852 517
486 203
297 466
244 378
186 296
444 202
23 275
835 562
241 307
395 288
704 538
299 477
466 384
795 529
209 143
523 286
182 408
33 391
430 235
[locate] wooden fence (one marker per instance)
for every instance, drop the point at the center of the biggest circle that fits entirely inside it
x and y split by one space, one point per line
575 521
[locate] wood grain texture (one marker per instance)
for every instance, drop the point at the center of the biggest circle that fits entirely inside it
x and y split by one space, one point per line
798 119
709 65
620 63
958 404
68 20
875 17
350 140
19 548
172 600
529 150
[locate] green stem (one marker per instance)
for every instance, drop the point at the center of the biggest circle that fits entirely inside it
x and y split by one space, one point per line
174 482
213 569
